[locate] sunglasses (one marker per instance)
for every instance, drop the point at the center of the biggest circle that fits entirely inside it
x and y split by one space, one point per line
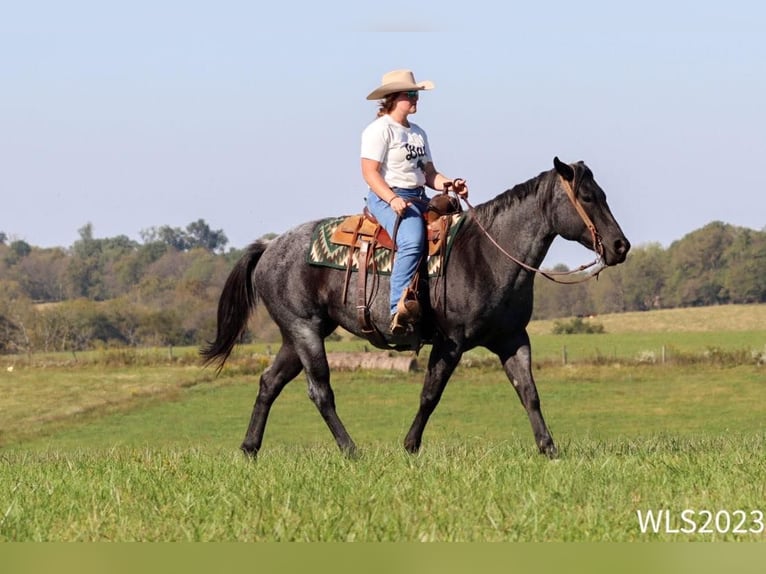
411 94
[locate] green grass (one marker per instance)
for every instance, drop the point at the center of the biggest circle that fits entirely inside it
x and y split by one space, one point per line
455 491
125 446
631 439
579 400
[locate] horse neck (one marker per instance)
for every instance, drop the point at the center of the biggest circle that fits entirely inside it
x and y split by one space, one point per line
517 219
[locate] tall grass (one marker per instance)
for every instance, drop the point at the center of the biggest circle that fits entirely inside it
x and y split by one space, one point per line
454 491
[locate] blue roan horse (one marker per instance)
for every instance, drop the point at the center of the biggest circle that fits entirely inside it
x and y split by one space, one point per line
487 300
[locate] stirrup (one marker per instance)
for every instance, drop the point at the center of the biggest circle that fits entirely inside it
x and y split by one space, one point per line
407 314
400 326
408 307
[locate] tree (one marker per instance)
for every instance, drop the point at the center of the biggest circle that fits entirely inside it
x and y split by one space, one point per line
10 336
561 300
16 318
90 272
83 273
18 250
15 313
200 235
745 273
644 276
162 328
128 271
607 291
697 262
197 234
41 274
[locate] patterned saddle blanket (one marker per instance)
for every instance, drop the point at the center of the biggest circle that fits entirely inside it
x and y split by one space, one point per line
330 245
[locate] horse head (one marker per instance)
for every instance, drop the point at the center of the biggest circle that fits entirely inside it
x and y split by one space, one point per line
581 213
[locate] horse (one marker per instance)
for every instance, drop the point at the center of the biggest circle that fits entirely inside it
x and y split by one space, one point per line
483 298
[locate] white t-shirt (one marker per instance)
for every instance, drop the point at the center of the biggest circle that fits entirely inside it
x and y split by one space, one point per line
402 152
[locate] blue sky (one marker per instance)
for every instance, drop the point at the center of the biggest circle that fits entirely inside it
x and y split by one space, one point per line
130 115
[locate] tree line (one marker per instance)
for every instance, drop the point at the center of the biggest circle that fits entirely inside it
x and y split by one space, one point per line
717 264
164 289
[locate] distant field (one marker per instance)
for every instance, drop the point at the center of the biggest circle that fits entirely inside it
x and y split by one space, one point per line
645 336
723 318
142 445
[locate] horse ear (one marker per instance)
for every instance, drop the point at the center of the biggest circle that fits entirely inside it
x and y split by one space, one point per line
565 170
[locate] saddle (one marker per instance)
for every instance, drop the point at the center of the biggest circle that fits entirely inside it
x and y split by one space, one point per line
363 235
364 228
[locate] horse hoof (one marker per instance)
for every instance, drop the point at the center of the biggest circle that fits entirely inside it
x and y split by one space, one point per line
350 453
411 447
549 449
249 451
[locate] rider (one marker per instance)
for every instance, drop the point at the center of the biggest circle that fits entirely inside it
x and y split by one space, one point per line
396 165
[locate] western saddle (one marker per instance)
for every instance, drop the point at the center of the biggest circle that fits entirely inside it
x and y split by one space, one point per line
363 235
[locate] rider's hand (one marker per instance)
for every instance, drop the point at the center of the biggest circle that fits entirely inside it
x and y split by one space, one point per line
460 187
399 205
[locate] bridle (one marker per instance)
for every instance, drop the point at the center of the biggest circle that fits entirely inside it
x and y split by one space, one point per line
571 190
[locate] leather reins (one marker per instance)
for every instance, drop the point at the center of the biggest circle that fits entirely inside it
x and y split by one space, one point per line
598 247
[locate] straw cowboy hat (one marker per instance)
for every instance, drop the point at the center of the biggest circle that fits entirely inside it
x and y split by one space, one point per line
398 81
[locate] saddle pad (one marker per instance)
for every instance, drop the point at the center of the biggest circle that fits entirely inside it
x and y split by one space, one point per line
325 253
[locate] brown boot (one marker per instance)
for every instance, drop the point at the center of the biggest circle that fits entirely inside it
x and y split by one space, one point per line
407 313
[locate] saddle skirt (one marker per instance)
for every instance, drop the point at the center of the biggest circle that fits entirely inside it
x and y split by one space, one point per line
336 242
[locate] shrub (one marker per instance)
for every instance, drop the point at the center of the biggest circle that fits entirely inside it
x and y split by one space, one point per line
576 325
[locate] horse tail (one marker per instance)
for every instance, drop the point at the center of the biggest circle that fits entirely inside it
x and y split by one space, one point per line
238 299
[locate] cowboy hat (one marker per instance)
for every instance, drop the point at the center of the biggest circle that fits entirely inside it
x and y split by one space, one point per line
398 81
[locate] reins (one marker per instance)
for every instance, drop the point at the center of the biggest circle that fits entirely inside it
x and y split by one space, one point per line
598 247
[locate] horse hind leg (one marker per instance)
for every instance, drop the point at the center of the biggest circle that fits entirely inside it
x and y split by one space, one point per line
284 369
322 395
314 359
287 365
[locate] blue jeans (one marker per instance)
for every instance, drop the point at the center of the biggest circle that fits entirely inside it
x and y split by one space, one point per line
410 237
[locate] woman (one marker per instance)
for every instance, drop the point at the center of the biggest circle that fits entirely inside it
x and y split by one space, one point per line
397 164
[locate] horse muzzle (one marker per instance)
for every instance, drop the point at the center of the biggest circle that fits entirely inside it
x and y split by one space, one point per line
616 251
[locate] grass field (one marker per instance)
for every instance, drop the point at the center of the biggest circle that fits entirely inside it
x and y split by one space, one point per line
719 319
96 450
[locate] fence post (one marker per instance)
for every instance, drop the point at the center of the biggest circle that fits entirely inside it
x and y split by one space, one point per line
564 355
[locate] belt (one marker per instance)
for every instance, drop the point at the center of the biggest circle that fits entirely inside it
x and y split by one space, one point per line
419 189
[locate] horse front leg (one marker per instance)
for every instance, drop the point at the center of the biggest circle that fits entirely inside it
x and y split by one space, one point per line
517 362
441 364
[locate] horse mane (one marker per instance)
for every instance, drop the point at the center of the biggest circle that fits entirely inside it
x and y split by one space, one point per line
538 186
